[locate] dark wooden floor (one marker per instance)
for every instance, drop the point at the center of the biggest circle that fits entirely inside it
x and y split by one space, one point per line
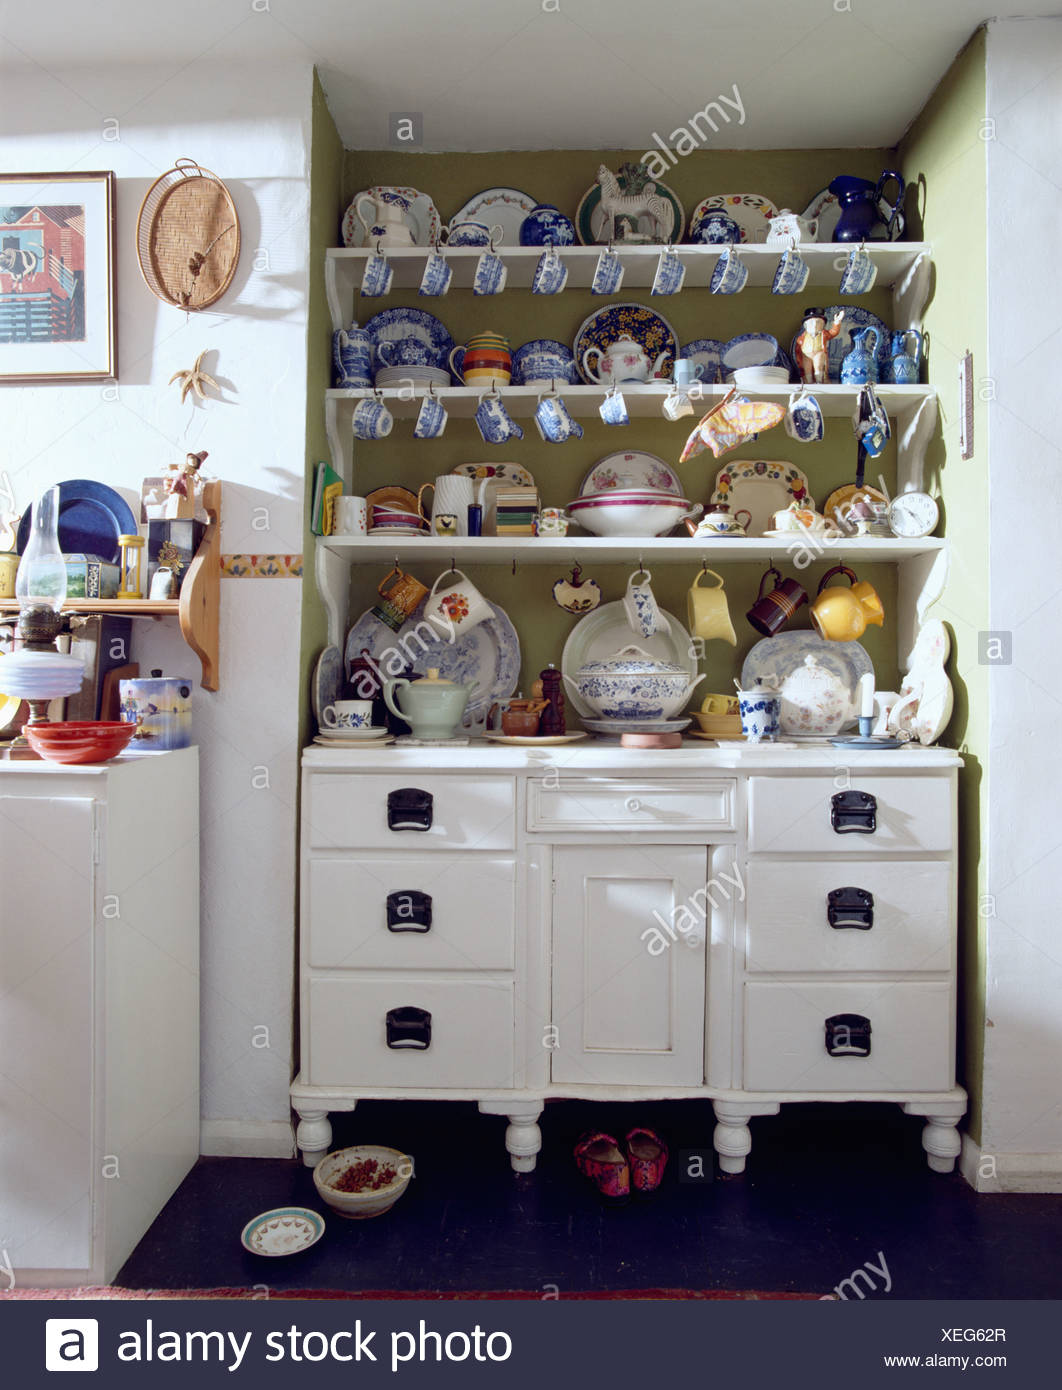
828 1188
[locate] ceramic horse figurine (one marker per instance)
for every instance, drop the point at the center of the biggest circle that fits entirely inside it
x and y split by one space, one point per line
647 202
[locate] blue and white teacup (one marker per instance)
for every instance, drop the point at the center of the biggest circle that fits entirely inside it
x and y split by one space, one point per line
859 272
431 420
470 233
495 423
372 419
686 372
551 274
803 418
715 229
555 421
670 274
730 274
437 275
613 409
491 274
760 711
377 277
792 273
608 275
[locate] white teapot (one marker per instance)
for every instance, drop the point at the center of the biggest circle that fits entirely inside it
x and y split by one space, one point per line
788 225
815 701
623 360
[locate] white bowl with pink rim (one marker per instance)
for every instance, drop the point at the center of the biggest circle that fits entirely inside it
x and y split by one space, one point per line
642 514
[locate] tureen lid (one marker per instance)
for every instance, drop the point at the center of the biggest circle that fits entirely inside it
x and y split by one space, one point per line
632 661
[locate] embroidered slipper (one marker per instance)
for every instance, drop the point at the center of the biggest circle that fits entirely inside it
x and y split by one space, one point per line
599 1158
648 1155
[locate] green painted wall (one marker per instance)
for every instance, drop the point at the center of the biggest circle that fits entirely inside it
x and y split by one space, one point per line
791 178
944 155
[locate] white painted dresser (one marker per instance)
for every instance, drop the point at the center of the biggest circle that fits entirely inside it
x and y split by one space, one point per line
99 1009
748 925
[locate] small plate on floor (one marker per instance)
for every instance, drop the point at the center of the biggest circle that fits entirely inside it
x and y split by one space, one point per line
541 741
282 1231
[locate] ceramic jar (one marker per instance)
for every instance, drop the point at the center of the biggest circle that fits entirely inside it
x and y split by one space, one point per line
633 685
484 361
544 225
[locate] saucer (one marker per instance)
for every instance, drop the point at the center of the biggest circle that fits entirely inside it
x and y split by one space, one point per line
636 726
282 1231
357 734
354 742
538 741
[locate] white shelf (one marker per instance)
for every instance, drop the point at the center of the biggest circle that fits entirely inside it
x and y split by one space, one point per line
679 550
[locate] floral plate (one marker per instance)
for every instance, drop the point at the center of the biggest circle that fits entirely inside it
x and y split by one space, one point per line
650 330
854 319
590 220
749 210
633 471
760 487
282 1231
498 475
503 207
423 220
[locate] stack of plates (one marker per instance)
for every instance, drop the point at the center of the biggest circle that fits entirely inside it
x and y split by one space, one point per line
354 738
395 521
616 727
420 376
759 376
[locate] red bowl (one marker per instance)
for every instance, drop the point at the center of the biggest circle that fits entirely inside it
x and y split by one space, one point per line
88 741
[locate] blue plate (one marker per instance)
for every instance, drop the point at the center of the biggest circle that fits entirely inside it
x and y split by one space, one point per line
550 345
709 353
648 328
750 350
91 518
412 323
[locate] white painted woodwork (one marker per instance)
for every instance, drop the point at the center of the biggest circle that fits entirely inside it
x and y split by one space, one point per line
657 807
624 1012
791 815
350 812
788 928
99 1023
912 1035
471 1033
473 913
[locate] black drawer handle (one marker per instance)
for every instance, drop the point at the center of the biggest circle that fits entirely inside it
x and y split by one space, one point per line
854 813
848 1035
409 808
409 1027
409 910
850 907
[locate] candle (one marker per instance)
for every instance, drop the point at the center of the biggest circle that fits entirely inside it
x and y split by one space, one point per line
866 695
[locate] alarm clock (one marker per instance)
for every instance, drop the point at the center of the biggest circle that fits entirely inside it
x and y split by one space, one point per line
913 515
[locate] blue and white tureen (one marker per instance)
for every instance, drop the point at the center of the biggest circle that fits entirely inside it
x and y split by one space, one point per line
633 685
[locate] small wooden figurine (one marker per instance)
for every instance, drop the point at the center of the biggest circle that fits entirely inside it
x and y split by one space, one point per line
552 721
182 483
812 355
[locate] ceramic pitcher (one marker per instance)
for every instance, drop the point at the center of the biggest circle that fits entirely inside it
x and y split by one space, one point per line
904 365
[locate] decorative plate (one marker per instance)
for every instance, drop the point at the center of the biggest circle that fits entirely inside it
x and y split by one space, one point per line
749 210
843 497
827 209
649 329
854 319
604 632
709 353
542 741
635 726
91 518
590 220
750 350
488 655
282 1231
400 498
782 655
423 218
505 206
327 681
498 475
540 345
633 471
762 487
392 324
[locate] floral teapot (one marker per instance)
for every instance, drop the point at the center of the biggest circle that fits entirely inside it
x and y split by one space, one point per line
623 360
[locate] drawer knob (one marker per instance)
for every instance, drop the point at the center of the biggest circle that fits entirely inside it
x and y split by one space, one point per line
850 907
854 813
409 808
848 1035
409 1027
633 804
409 909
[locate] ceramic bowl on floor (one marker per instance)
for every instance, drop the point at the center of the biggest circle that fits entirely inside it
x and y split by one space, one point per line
79 741
358 1205
282 1231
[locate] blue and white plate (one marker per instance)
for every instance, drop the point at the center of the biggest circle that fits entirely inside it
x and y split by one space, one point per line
782 359
524 357
854 319
282 1231
392 324
488 655
649 329
327 684
709 353
750 350
782 655
91 518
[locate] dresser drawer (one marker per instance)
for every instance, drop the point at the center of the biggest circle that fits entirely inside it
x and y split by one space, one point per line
911 1037
351 811
608 804
900 919
469 1031
371 915
788 814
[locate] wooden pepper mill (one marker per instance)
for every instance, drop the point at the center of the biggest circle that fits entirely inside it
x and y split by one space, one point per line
552 721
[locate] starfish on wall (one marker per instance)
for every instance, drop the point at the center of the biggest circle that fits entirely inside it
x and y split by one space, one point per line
194 379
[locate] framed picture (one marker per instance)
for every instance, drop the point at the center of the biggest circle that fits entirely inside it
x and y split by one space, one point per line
57 278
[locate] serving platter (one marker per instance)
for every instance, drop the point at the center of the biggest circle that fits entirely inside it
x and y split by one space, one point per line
606 631
782 655
760 487
650 330
423 219
538 741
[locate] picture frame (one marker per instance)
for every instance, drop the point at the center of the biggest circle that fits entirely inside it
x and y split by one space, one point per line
58 315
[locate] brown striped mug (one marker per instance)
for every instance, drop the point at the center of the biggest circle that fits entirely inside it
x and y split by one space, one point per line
770 613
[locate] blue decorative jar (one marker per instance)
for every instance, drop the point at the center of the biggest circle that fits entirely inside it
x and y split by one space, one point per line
545 225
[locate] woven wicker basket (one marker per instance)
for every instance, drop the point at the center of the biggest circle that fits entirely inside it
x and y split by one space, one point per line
188 237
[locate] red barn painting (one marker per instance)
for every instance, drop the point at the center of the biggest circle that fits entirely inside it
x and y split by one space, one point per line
42 274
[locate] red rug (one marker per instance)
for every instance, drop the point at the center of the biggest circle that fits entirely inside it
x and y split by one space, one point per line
390 1295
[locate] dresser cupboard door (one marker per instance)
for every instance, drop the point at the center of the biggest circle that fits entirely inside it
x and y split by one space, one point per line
628 990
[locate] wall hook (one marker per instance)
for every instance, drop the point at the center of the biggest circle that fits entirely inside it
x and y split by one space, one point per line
514 564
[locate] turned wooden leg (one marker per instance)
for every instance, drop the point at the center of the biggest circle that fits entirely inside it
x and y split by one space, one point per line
941 1142
313 1135
523 1138
732 1137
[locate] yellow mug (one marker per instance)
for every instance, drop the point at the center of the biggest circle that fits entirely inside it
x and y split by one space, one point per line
709 616
842 615
720 704
8 573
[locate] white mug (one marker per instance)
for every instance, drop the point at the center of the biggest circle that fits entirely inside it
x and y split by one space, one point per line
458 606
452 495
347 714
351 516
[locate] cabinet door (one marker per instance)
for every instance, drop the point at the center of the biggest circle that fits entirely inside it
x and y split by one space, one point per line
628 984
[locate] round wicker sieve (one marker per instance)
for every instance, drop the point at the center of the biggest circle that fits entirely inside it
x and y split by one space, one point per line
188 237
